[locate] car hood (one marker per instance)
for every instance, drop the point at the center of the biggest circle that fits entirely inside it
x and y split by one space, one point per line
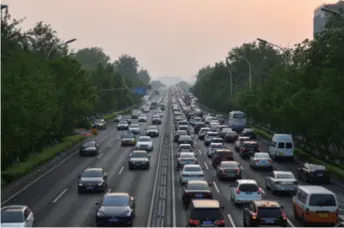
13 224
139 159
91 179
114 211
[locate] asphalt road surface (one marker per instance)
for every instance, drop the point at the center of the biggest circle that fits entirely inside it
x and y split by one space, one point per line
55 201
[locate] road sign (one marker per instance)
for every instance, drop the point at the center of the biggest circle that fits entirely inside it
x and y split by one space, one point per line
140 91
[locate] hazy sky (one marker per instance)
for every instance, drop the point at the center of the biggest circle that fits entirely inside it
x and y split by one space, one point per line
171 37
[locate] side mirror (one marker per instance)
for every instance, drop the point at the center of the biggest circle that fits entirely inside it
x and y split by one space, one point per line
282 207
97 203
210 184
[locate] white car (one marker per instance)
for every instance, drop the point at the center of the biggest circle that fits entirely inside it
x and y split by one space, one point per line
184 148
213 147
281 181
144 143
134 128
191 172
240 141
214 126
261 160
17 216
142 118
123 125
152 131
245 191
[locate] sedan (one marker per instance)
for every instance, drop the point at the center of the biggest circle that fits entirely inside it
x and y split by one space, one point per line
185 158
196 189
123 125
99 124
134 128
191 172
142 118
228 170
152 131
261 160
116 209
281 181
138 159
144 143
16 216
118 118
89 148
128 139
178 133
184 148
92 179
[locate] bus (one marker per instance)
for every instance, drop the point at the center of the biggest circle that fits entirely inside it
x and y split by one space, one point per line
237 120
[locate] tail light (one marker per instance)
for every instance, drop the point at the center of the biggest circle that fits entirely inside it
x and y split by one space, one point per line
256 161
237 191
270 161
220 222
210 195
284 216
238 170
254 215
194 221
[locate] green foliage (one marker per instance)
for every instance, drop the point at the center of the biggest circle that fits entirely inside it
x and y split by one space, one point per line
300 94
46 92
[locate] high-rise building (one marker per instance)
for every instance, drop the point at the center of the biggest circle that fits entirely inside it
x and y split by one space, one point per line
321 17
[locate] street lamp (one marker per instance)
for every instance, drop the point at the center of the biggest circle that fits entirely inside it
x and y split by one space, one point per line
4 6
53 47
283 50
249 69
230 76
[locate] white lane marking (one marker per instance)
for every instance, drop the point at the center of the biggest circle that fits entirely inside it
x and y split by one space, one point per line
174 219
206 166
199 151
290 223
231 220
217 188
109 190
121 170
60 195
341 216
100 155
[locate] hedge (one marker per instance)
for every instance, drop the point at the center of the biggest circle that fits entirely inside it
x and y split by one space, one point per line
18 170
337 171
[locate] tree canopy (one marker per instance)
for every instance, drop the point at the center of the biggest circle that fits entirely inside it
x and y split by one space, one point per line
47 91
297 91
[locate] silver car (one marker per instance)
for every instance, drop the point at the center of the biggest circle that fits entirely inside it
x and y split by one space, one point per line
142 118
123 125
17 216
261 160
213 147
245 191
191 172
138 159
184 148
144 143
134 128
281 181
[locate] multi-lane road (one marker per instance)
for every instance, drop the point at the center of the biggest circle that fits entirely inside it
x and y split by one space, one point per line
55 201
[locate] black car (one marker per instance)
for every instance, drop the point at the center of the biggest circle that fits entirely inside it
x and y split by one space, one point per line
249 133
196 189
205 212
138 159
178 133
228 170
265 213
185 139
89 148
92 180
313 173
198 126
116 209
248 148
126 118
156 120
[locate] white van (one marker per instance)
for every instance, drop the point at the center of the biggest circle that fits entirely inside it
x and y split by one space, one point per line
282 146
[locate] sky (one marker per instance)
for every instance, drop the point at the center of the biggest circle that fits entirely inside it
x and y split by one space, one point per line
172 38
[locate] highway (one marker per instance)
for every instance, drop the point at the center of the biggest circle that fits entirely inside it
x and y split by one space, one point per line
55 201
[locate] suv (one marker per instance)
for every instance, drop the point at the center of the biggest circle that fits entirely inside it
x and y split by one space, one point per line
205 213
221 155
265 212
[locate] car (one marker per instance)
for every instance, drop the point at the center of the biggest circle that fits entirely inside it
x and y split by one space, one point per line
99 124
184 148
142 118
123 125
146 109
185 158
144 143
281 181
138 159
245 191
178 118
116 209
191 172
92 179
118 118
209 136
17 216
341 224
126 118
134 128
179 133
202 132
312 173
90 147
261 160
216 140
240 140
198 126
229 135
219 129
196 189
264 213
184 128
249 132
156 120
128 139
214 126
248 148
228 170
161 114
152 131
221 155
135 114
213 147
205 212
185 139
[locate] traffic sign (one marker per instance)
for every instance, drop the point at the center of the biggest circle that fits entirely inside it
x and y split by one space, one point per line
140 91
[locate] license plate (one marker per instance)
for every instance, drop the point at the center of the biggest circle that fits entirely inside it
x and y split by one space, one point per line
199 195
113 220
323 215
207 222
319 174
248 193
89 187
270 221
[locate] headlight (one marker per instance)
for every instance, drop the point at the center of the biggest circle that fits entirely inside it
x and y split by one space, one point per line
80 184
127 213
99 214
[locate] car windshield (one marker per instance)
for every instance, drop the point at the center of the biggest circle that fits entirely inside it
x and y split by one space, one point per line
285 176
198 186
12 217
248 188
111 200
192 169
92 173
185 137
138 155
89 144
128 136
269 212
99 121
185 147
228 165
144 139
134 126
216 146
187 157
123 122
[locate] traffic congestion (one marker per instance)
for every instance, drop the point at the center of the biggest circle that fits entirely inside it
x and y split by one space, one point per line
172 164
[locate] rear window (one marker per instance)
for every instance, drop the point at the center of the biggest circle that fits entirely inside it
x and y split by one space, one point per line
281 145
224 154
185 147
209 213
192 169
216 146
289 145
322 200
251 145
269 212
248 188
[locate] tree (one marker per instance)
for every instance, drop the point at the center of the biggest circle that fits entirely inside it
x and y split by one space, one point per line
90 58
144 76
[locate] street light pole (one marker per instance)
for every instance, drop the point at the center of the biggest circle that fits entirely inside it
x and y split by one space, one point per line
285 55
53 47
230 77
249 69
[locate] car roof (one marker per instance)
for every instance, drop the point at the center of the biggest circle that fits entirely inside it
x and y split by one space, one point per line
243 137
192 165
223 151
139 151
262 153
94 169
197 182
117 194
206 203
144 137
215 144
315 166
251 142
230 162
133 124
266 203
185 144
315 189
282 172
205 128
14 208
185 136
247 181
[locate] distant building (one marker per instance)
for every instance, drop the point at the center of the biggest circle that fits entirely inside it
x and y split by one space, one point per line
321 17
